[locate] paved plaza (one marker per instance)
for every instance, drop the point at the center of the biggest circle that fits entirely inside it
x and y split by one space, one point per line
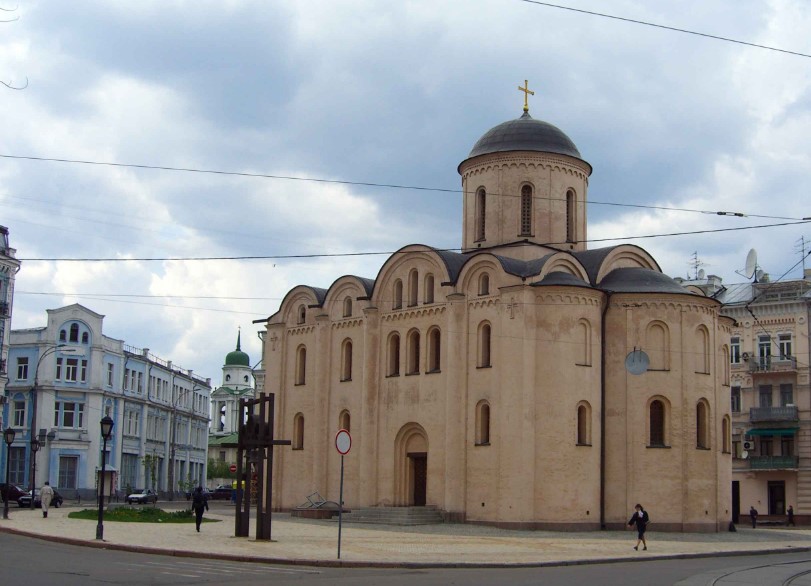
315 542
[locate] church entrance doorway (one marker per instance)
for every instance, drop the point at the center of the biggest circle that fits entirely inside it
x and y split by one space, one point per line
411 473
419 465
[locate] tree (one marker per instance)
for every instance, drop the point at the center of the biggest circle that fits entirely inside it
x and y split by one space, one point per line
9 85
150 470
219 469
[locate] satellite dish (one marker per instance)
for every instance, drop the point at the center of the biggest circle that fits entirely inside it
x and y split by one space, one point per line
751 263
701 274
637 362
744 455
759 275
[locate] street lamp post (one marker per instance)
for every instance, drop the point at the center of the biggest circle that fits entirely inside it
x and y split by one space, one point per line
32 468
35 445
106 431
8 436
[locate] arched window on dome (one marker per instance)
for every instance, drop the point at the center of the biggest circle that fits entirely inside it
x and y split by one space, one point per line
484 284
348 307
302 314
481 214
227 377
428 292
398 295
571 215
526 210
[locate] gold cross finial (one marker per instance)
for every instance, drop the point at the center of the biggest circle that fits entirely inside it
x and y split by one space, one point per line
527 92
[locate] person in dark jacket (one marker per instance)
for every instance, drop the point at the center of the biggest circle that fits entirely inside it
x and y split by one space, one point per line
199 503
640 519
753 516
790 514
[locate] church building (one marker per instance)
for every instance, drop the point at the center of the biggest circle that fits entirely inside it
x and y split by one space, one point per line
495 383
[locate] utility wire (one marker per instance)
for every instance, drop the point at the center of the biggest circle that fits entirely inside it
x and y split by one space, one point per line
373 184
665 27
389 253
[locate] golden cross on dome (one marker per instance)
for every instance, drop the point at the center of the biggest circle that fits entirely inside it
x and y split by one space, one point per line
527 93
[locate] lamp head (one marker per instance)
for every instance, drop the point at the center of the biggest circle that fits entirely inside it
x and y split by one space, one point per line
8 436
107 427
35 445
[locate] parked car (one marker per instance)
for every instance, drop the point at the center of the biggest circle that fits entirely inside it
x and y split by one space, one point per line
14 492
222 492
142 498
206 493
25 500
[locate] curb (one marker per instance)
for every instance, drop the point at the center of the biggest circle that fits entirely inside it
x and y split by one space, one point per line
392 565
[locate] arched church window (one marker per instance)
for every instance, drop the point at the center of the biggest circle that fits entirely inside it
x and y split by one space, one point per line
584 343
571 215
346 362
298 432
484 284
344 420
658 346
63 336
429 288
702 425
434 350
74 332
484 345
584 424
482 424
302 314
702 350
245 378
348 307
301 366
657 424
413 280
85 338
413 353
526 210
398 295
481 201
227 377
394 355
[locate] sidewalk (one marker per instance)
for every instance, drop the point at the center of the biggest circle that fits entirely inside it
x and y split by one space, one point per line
297 541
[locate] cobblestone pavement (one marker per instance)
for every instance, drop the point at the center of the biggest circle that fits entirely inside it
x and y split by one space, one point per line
306 541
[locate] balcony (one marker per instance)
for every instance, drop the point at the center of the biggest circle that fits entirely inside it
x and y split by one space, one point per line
764 364
773 462
787 413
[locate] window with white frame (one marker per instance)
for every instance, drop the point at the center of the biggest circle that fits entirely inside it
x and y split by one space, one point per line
69 414
72 369
132 423
83 371
19 413
784 346
735 350
59 364
110 373
22 368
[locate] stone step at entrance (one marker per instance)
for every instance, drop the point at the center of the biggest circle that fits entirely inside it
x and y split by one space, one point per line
394 516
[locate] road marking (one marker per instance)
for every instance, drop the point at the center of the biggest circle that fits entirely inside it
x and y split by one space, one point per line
209 567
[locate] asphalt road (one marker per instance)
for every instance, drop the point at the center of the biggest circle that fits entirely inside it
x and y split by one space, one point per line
34 562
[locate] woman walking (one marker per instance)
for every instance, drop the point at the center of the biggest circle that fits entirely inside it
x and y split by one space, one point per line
199 504
640 519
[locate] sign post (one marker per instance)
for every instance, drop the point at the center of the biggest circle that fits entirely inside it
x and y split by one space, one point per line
343 443
232 468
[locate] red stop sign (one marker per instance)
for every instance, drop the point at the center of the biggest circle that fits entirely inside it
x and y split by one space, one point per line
233 467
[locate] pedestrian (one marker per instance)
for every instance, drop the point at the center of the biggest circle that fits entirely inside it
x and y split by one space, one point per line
46 494
641 519
790 514
198 504
753 516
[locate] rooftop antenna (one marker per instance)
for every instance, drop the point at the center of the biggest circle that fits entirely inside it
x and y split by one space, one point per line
800 247
696 264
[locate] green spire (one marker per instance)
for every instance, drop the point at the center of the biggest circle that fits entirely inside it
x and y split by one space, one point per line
238 357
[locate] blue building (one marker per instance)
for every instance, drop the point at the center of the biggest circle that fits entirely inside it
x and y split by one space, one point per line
9 266
67 376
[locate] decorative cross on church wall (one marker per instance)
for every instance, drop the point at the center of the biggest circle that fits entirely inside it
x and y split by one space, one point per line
527 93
273 339
511 307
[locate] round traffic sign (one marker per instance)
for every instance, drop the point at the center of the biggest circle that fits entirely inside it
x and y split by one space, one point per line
233 467
343 442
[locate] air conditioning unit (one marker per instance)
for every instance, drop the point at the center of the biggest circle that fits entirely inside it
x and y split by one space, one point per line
747 446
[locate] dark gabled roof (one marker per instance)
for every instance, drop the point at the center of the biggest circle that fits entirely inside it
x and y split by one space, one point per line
561 279
320 294
368 285
640 280
592 260
454 261
523 268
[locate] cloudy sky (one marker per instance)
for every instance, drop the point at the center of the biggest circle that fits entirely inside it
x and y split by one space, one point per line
373 92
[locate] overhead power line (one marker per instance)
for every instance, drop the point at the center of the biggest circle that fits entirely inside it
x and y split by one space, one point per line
389 252
666 27
376 185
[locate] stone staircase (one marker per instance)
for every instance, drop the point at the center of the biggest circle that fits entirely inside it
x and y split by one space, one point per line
394 516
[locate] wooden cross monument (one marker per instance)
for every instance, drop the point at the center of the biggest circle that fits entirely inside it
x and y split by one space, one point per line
255 462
